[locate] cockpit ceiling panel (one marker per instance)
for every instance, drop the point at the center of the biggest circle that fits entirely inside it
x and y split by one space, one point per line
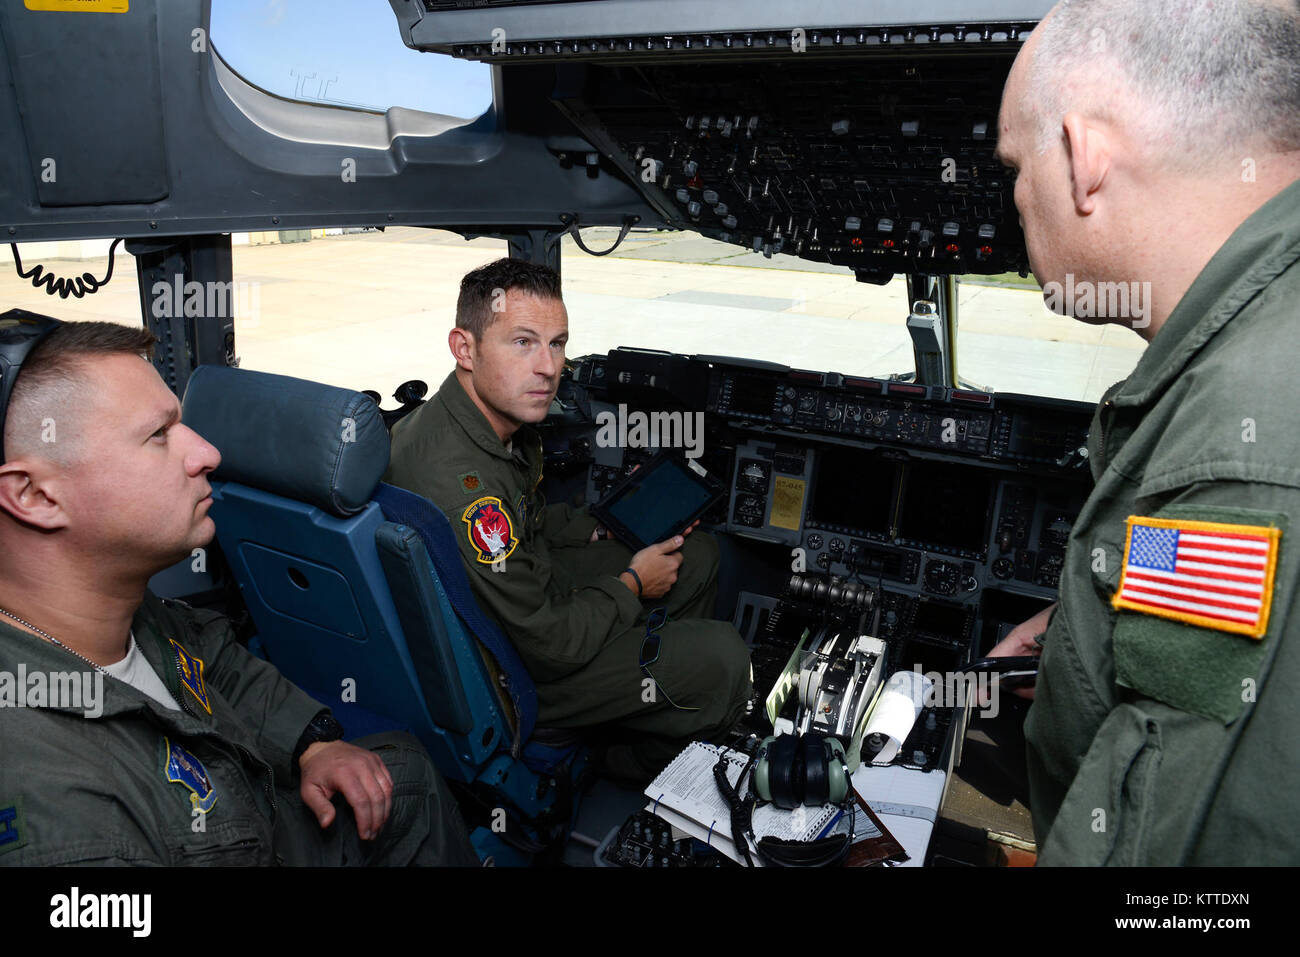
882 165
692 29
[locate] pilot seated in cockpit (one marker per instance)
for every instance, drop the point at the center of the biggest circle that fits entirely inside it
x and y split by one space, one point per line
137 730
576 604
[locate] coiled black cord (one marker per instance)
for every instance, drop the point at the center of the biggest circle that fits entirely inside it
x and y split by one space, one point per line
84 285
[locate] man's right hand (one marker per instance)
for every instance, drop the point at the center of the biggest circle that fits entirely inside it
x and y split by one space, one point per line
657 566
1020 641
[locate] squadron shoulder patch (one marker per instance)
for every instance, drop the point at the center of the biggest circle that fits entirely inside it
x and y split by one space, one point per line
185 769
191 671
489 530
1208 574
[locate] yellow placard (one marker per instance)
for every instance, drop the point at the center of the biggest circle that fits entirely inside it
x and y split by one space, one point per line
787 502
77 6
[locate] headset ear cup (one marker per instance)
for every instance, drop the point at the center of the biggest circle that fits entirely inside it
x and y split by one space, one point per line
837 772
814 762
763 770
782 775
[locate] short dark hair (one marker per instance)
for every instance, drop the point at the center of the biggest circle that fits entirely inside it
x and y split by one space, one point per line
48 374
482 288
71 341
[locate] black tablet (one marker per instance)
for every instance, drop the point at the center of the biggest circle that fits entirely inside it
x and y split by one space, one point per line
658 500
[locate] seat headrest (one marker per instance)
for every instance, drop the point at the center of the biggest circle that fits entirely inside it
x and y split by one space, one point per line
315 443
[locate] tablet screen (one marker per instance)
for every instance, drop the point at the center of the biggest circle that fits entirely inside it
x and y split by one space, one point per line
662 502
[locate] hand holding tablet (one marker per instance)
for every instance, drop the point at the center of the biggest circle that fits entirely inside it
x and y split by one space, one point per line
663 498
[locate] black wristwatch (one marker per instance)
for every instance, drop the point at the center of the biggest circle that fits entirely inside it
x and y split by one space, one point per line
323 727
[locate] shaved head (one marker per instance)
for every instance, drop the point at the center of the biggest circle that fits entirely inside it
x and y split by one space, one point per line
1195 81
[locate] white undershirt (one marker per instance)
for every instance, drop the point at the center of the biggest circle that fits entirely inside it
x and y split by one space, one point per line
136 671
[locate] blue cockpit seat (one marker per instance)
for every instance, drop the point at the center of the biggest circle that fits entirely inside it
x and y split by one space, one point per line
358 595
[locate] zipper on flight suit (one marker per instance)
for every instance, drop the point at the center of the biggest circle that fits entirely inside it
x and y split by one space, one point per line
1106 407
248 755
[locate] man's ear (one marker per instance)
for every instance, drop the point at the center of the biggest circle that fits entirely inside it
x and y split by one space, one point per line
1088 151
462 346
28 493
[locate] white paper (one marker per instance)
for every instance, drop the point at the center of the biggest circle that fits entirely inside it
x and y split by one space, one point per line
906 801
897 710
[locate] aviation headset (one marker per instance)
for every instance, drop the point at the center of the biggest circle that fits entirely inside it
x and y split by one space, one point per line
792 769
20 332
796 769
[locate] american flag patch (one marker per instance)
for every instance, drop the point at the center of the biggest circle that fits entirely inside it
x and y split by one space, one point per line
1203 573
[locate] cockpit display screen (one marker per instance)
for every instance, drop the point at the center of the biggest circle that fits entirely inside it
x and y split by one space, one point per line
946 505
1039 436
751 395
935 618
853 488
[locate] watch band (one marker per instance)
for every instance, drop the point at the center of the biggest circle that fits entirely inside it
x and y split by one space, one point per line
636 578
323 727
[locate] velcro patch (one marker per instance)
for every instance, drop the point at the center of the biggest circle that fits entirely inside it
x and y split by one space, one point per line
1209 574
488 527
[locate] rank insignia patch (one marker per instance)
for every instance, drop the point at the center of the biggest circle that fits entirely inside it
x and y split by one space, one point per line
489 529
1208 574
183 768
191 671
13 829
470 482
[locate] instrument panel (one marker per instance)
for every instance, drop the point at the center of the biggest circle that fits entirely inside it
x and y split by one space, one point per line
943 501
860 135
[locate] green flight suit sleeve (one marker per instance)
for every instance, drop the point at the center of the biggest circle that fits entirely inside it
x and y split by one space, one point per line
555 634
269 703
564 525
1174 774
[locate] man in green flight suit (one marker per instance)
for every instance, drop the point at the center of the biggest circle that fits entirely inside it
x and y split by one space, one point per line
574 605
1158 152
137 730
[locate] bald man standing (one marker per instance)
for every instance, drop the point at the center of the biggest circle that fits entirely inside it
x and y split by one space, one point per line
1157 147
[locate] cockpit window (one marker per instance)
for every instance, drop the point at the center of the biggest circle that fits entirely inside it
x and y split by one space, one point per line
682 292
345 53
1008 340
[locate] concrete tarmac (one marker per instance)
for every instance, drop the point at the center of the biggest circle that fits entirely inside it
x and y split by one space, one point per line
371 310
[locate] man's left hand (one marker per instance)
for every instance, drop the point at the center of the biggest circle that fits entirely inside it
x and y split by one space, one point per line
334 767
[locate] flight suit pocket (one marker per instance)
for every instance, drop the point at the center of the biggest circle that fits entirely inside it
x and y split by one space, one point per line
231 844
1105 818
